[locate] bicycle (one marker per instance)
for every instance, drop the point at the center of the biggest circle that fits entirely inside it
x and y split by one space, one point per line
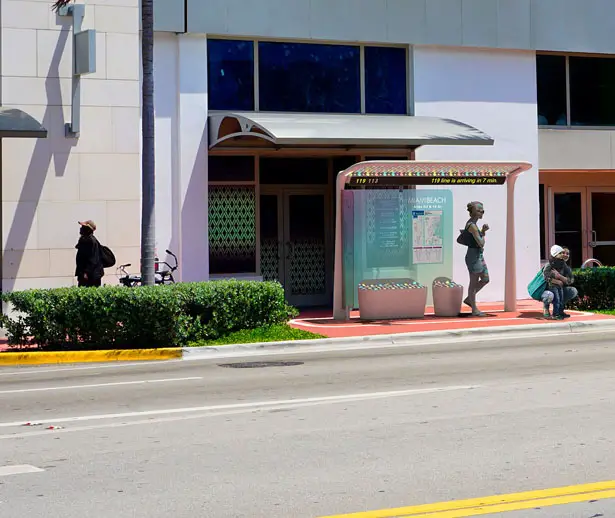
161 277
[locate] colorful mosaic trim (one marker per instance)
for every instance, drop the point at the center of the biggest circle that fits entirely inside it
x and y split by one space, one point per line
446 284
414 169
429 174
391 285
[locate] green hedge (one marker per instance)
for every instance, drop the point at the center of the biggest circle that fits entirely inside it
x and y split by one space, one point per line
596 288
156 316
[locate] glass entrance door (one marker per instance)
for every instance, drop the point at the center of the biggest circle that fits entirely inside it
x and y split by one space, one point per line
306 265
568 217
296 243
602 225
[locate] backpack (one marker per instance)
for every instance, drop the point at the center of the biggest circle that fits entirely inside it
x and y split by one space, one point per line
537 285
107 257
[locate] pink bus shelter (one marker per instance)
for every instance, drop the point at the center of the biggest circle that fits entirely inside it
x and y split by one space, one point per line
387 174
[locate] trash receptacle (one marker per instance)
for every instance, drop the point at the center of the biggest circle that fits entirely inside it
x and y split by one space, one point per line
447 297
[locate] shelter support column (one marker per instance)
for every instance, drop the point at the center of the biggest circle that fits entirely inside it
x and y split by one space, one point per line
510 281
339 311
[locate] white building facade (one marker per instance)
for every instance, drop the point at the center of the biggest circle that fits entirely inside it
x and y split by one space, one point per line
51 180
518 70
245 186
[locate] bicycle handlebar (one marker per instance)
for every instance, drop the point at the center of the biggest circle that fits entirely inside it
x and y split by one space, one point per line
133 280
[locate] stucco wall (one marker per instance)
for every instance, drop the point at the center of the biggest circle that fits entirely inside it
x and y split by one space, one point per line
494 91
562 25
583 149
181 151
49 184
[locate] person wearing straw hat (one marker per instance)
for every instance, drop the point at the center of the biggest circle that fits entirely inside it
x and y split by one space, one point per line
89 269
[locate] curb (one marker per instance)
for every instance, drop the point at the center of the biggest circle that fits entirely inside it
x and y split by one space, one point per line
189 353
113 355
531 330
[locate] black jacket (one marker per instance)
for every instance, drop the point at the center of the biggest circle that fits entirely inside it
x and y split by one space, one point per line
89 258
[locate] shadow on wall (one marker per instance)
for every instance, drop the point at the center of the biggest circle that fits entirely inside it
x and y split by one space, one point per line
194 228
55 147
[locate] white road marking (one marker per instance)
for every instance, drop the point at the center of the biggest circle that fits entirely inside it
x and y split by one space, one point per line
18 470
237 406
97 385
60 368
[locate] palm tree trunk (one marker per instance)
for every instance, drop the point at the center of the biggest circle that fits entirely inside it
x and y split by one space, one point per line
148 165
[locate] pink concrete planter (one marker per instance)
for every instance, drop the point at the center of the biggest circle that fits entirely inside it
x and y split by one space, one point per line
388 299
447 298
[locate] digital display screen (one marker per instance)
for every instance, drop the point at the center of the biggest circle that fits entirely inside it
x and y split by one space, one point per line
386 181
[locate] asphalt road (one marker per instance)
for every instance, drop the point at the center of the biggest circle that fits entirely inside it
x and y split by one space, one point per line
341 432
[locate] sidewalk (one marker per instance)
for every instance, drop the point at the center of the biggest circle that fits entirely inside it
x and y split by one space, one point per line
527 319
529 312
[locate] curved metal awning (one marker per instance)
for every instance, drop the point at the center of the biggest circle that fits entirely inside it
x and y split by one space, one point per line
16 123
284 130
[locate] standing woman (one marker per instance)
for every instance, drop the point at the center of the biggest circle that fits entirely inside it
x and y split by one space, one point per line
477 267
89 269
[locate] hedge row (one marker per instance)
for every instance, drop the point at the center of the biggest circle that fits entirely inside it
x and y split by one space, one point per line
156 316
596 288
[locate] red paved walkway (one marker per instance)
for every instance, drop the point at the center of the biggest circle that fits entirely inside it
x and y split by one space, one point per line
529 312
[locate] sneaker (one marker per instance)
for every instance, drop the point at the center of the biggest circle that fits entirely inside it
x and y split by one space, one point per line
558 317
546 314
565 315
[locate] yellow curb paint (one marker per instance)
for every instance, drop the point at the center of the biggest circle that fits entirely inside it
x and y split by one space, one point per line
125 355
497 503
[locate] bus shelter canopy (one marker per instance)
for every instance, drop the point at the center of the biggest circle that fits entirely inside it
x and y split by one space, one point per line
387 174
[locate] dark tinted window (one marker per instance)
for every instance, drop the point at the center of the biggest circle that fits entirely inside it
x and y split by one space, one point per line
230 77
592 91
308 171
551 77
231 169
385 80
569 224
303 77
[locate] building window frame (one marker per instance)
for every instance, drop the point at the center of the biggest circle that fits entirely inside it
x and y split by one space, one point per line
569 125
361 46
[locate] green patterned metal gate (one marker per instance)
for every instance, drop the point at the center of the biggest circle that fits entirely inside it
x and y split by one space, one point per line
296 244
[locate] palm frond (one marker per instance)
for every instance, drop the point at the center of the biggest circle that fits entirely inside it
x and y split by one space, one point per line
58 4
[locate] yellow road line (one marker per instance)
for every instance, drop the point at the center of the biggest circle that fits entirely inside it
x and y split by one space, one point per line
497 503
44 358
518 506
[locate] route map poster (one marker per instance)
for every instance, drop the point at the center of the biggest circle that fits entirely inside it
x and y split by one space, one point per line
428 229
427 236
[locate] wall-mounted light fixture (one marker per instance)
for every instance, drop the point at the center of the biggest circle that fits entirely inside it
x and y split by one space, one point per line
84 62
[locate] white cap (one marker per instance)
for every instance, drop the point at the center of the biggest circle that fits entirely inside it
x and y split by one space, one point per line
556 250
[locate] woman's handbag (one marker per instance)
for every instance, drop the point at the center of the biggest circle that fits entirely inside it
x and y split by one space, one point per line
537 285
465 238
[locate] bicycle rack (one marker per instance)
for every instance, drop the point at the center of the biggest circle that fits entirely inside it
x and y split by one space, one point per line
590 261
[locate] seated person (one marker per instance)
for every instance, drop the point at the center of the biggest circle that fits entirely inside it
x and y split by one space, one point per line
567 278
